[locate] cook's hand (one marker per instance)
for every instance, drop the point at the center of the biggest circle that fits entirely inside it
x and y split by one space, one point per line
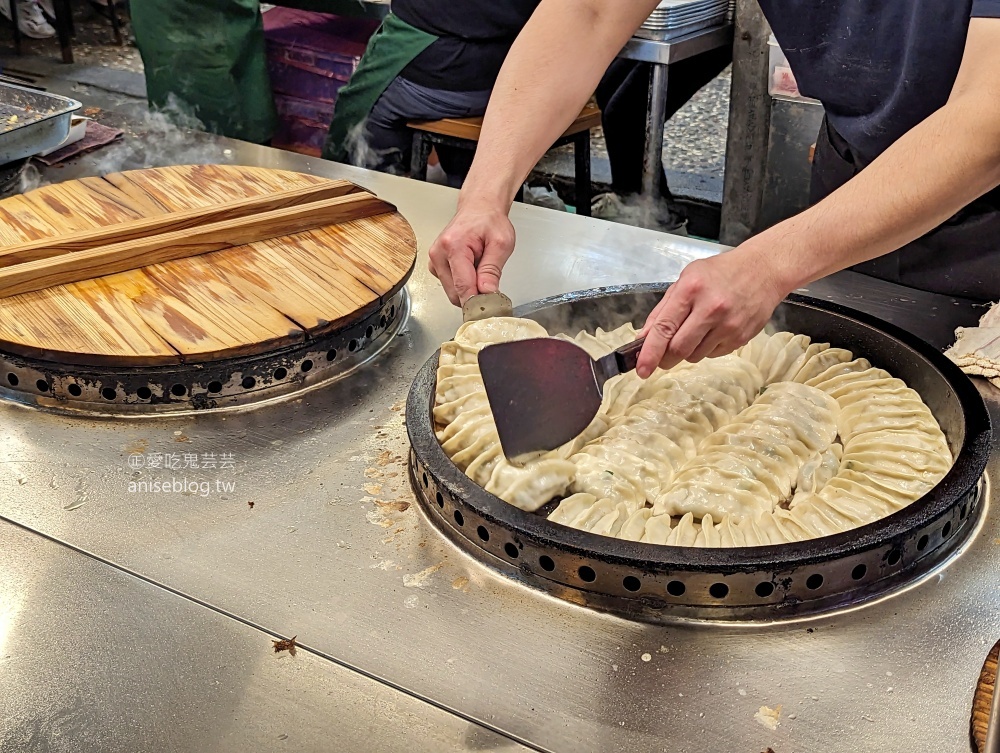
716 305
469 255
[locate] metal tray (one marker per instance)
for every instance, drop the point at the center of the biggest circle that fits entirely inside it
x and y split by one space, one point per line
32 121
667 35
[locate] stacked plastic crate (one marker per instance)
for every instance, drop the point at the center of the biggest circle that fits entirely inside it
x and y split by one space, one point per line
310 57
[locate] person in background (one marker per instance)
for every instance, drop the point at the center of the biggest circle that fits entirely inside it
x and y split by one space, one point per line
31 17
35 17
906 176
430 61
207 58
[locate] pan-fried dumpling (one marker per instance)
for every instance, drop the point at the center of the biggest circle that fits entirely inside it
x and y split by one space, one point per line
782 441
455 354
617 337
498 329
780 354
484 443
685 533
590 517
818 470
467 436
481 468
457 369
657 529
730 534
475 415
612 523
452 388
592 476
635 525
572 507
819 362
612 456
531 486
594 347
727 478
448 412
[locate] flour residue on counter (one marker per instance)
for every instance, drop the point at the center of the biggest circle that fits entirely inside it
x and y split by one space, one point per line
768 717
419 580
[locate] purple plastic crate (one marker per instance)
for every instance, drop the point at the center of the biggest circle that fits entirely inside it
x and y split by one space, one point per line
311 55
302 124
296 80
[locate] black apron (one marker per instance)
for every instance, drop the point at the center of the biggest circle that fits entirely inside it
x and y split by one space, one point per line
960 257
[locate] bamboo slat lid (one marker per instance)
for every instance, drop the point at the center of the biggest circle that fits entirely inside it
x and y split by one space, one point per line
244 300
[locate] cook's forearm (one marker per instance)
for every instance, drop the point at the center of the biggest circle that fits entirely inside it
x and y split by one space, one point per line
940 166
943 164
551 71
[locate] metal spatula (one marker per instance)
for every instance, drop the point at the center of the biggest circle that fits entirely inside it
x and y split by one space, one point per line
544 392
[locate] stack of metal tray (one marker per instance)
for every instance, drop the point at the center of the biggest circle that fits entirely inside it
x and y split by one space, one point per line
675 18
32 121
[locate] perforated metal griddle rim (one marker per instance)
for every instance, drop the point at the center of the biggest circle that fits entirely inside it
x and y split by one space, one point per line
206 387
950 508
653 603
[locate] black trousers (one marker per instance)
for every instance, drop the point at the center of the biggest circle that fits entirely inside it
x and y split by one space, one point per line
961 257
623 97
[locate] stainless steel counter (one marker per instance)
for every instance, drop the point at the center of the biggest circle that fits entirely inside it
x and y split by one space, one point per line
145 620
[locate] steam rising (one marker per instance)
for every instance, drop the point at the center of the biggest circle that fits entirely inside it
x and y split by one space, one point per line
171 135
359 151
608 310
652 212
31 178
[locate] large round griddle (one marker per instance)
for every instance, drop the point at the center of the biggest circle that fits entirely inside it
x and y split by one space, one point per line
664 582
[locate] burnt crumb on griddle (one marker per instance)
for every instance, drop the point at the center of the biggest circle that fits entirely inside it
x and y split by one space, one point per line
810 630
250 504
285 645
769 750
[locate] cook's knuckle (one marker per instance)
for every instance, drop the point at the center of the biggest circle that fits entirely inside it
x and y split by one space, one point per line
694 283
666 328
720 306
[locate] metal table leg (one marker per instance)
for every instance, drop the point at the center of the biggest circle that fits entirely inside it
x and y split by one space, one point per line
64 28
419 156
653 159
17 29
581 153
116 24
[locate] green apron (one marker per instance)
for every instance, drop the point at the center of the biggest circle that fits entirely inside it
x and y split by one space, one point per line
209 57
389 51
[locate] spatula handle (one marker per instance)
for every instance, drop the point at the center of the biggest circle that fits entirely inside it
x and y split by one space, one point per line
627 355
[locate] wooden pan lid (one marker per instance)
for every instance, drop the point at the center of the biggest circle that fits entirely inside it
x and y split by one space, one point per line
245 300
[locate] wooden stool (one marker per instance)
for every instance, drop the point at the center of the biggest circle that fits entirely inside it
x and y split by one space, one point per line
463 133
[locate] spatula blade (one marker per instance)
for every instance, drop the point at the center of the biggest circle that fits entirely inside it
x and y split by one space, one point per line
543 393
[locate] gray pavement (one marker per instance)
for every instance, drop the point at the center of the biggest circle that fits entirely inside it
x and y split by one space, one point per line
694 149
